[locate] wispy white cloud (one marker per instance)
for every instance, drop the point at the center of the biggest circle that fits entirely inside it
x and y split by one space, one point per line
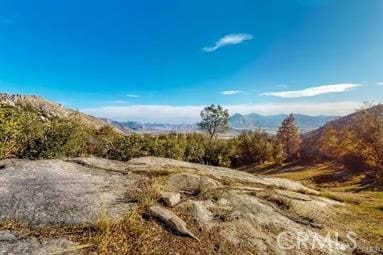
231 92
230 39
132 95
380 83
190 114
120 102
313 91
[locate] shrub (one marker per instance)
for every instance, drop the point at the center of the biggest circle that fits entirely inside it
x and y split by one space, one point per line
255 147
195 148
18 131
219 152
25 133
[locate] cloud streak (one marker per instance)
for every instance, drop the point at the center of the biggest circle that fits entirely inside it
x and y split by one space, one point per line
313 91
190 114
231 92
132 95
230 39
120 102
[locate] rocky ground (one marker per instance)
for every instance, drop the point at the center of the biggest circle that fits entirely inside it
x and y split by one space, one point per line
87 206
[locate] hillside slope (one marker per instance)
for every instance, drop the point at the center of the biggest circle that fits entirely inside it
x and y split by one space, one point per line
49 109
313 136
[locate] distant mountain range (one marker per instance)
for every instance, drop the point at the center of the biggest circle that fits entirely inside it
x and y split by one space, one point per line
271 123
237 123
135 126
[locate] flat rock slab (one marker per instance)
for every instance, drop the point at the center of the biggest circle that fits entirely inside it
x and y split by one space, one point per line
50 192
153 164
34 246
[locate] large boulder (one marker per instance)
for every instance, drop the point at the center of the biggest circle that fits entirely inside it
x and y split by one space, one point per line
244 210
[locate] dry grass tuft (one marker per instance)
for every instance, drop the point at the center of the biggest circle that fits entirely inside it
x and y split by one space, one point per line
128 235
132 233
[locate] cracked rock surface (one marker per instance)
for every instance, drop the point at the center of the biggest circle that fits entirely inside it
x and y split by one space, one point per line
246 210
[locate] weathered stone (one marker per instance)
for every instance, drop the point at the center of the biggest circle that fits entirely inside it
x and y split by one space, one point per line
153 164
171 219
6 235
229 202
56 192
170 198
201 214
190 182
34 246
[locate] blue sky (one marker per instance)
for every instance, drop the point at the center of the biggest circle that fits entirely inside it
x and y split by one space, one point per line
164 60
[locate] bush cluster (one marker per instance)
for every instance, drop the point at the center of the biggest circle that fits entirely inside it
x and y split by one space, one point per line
24 133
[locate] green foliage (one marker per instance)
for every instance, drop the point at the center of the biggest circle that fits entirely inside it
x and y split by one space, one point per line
170 146
107 143
219 152
25 133
254 147
132 146
214 119
195 148
18 131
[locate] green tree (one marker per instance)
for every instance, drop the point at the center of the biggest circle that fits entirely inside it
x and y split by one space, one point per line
289 137
214 119
254 147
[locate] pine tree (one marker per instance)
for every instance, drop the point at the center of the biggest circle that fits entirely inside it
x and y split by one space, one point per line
289 137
